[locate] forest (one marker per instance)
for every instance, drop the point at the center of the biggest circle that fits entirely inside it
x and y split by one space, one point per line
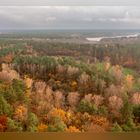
69 87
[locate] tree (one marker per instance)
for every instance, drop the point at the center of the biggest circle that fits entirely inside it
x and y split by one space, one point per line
4 76
126 111
13 126
5 108
8 58
40 87
94 128
28 82
113 90
72 129
116 72
84 78
135 99
116 128
103 110
107 66
56 112
72 70
57 126
129 126
43 100
115 103
3 123
88 98
8 93
42 127
21 113
85 106
32 122
101 121
61 69
32 119
129 81
136 112
19 88
73 99
8 76
58 99
97 100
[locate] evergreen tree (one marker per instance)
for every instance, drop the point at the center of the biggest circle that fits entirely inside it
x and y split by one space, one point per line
5 108
116 128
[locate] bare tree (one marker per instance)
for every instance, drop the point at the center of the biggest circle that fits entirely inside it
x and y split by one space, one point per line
135 99
73 99
58 99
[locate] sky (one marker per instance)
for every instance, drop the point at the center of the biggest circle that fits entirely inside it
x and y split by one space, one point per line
69 17
69 2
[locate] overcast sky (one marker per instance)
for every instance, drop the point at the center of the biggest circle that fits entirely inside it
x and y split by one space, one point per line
69 17
69 2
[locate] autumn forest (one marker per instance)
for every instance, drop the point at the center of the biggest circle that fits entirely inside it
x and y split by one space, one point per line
56 86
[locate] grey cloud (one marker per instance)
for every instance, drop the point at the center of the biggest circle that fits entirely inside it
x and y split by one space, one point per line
57 17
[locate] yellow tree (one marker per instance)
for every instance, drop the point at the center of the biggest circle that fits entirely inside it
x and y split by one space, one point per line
129 81
20 113
57 112
72 129
28 82
42 127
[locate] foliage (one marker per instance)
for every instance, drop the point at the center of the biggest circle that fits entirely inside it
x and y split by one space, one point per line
20 113
32 122
13 126
57 126
72 129
136 111
127 111
42 127
116 128
129 126
56 86
5 108
3 123
85 106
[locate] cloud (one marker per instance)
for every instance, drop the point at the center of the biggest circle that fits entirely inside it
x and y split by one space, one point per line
57 17
50 18
87 19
